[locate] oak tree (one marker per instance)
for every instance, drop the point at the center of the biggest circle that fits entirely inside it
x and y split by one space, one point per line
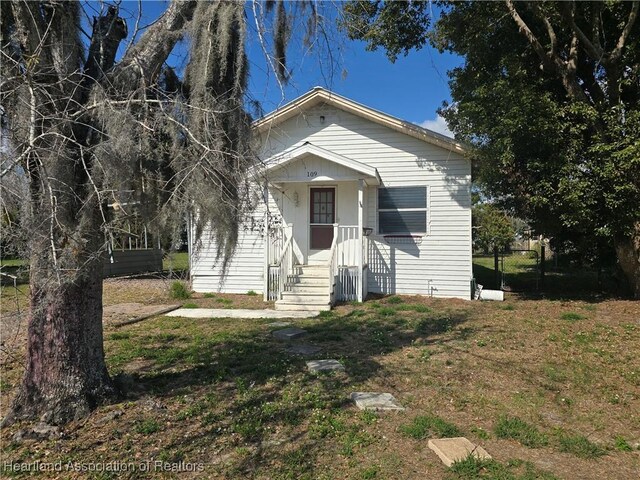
548 98
88 128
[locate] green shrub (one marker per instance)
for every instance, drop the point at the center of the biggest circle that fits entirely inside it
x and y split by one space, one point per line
395 300
179 291
251 293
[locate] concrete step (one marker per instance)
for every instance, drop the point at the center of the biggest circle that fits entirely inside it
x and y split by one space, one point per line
317 289
310 281
311 271
304 298
306 307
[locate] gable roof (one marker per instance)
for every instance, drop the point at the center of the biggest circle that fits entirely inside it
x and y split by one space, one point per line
319 95
293 154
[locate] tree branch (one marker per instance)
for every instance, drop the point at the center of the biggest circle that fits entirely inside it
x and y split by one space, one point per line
633 15
568 13
526 31
145 59
596 23
553 39
566 70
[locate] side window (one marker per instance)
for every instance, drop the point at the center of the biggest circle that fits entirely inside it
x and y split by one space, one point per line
402 210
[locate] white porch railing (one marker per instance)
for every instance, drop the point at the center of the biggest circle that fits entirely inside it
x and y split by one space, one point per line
347 262
334 262
352 252
279 258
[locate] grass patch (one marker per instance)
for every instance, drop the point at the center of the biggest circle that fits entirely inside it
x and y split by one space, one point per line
189 305
517 429
13 262
395 300
228 390
354 439
429 426
179 291
421 308
252 293
119 336
473 468
434 324
209 295
481 433
370 472
147 427
176 261
622 445
572 316
387 311
580 446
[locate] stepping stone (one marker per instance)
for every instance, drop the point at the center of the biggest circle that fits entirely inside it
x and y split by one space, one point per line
303 349
278 324
375 401
316 366
289 333
452 450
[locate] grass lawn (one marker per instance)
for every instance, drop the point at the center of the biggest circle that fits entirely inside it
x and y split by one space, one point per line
551 389
176 261
520 276
13 262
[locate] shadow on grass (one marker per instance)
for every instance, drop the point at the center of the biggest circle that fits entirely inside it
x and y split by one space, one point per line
256 389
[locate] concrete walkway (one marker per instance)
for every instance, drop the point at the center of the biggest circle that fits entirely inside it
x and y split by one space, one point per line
239 313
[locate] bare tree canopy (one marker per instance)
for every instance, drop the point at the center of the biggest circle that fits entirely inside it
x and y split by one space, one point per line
86 130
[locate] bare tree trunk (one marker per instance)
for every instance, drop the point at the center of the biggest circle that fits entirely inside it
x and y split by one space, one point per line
628 253
65 375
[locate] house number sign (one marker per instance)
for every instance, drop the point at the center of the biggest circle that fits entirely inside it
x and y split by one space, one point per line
312 174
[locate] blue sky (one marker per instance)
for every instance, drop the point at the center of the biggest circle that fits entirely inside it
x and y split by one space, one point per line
412 88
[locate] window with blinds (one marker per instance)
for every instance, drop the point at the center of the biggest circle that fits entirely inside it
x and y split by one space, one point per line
402 210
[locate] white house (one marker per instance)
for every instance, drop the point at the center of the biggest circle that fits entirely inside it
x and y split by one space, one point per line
355 201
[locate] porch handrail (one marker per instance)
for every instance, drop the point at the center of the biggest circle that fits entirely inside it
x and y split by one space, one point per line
285 246
285 261
333 260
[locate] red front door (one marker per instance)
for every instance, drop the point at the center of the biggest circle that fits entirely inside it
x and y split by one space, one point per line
322 217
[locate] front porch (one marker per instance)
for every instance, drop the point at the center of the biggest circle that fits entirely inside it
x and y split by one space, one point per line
316 250
296 285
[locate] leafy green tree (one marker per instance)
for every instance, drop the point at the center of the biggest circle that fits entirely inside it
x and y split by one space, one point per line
549 100
491 228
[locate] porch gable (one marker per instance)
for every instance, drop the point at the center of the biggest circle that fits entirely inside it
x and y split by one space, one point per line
310 163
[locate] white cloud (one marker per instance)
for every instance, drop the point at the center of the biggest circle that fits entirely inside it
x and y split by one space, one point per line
437 125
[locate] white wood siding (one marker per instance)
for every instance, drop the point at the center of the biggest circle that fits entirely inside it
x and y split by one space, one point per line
441 264
244 271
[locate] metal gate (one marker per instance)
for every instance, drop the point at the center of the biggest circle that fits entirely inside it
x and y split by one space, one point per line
519 270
